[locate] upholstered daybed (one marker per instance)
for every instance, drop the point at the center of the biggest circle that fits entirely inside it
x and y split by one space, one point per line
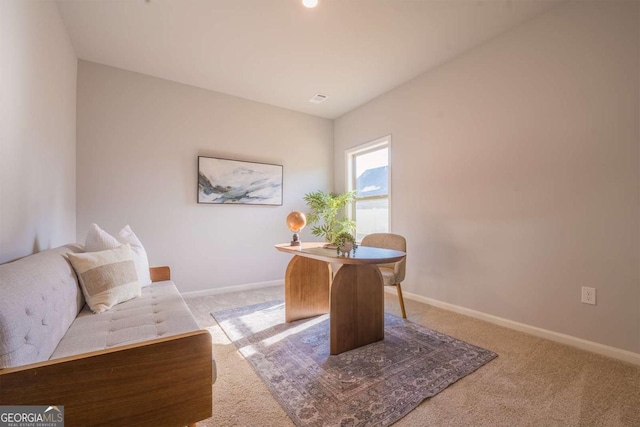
143 362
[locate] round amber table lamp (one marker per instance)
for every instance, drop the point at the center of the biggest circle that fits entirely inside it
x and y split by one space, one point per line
296 222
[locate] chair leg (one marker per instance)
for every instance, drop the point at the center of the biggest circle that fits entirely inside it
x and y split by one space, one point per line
404 313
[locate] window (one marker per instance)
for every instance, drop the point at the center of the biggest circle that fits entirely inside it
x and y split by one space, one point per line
369 175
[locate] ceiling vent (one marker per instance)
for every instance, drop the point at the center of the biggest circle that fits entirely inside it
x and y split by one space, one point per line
317 99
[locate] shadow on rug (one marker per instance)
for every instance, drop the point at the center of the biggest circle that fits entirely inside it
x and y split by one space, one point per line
374 385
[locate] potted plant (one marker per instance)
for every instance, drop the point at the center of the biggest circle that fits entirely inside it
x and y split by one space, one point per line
325 209
345 242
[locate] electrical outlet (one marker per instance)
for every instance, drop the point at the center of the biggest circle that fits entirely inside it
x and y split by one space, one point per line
589 295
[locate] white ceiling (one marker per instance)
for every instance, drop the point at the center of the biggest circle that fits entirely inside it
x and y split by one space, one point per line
281 53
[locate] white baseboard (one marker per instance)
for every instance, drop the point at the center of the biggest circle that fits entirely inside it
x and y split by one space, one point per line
605 350
594 347
236 288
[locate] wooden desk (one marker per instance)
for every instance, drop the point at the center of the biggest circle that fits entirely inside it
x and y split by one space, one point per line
354 298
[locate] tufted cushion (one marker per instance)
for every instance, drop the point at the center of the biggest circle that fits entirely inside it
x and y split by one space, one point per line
159 312
40 298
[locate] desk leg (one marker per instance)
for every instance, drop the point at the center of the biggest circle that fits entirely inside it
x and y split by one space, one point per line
306 288
357 307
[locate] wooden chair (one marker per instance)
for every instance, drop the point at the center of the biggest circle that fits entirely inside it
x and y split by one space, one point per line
392 273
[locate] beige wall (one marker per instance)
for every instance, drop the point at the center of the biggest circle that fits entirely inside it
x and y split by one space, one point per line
515 167
37 129
138 142
515 172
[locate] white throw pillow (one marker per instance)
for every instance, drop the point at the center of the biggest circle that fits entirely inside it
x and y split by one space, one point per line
106 277
126 235
99 240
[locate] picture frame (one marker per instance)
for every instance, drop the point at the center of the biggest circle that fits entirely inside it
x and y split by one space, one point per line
227 181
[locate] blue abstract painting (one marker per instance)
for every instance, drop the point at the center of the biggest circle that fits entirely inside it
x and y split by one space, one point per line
234 181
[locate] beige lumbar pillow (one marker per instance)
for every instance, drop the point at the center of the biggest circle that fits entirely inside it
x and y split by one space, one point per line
106 277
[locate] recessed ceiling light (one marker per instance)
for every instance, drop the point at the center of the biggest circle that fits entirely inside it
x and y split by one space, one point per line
310 3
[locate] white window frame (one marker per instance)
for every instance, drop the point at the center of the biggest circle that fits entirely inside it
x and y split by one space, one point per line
350 155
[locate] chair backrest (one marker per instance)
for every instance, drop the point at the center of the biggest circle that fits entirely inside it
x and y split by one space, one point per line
389 241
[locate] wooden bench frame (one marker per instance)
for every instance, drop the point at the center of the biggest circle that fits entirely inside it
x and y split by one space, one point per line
161 382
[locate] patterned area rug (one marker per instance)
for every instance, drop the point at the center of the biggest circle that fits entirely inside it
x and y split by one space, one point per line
374 385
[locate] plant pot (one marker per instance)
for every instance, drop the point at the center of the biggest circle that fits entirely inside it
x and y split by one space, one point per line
345 249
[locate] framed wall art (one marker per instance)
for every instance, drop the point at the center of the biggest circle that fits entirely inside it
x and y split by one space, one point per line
225 181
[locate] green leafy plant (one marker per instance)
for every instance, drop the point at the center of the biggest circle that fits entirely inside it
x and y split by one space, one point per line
325 209
343 238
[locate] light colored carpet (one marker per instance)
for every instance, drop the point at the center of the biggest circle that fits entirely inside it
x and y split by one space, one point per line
534 382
